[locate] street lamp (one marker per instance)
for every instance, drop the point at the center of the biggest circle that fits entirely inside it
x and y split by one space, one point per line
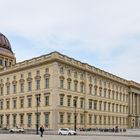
37 104
75 117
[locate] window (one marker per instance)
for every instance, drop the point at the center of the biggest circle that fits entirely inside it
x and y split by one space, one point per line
1 62
47 119
90 104
90 119
100 120
47 100
61 118
37 84
29 120
95 119
105 93
82 87
14 104
75 86
100 91
68 118
81 118
47 83
100 105
14 89
61 83
1 105
69 101
109 107
1 90
69 85
22 87
21 103
7 120
8 89
29 102
21 119
14 120
90 89
29 74
7 104
95 105
104 106
1 120
95 90
29 86
82 103
61 100
69 72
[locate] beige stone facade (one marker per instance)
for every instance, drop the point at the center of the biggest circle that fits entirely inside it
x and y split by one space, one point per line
66 87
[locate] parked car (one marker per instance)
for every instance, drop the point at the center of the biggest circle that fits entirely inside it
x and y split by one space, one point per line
66 131
16 130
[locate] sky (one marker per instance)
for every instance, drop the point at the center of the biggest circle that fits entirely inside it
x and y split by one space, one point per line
102 33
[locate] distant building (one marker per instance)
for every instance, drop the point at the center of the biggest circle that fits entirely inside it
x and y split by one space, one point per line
66 87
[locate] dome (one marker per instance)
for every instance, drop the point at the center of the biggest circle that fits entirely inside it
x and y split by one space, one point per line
5 44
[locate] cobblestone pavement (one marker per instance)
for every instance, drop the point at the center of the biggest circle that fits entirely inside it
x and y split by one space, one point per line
57 137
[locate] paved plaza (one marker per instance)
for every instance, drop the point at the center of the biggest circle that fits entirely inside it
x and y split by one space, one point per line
129 135
57 137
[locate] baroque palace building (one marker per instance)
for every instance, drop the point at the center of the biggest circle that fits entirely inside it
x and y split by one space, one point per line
56 91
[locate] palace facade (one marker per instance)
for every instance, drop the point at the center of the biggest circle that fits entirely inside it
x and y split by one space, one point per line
56 91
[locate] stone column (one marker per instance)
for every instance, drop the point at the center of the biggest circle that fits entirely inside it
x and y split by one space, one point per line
137 104
130 103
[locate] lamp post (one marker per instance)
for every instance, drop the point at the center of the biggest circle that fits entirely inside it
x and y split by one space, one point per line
37 104
75 117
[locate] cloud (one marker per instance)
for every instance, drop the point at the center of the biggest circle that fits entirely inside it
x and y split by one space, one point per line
103 33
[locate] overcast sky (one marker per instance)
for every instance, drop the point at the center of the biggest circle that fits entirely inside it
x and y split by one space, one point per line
103 33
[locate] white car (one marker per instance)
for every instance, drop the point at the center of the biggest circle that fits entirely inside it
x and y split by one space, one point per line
16 130
66 131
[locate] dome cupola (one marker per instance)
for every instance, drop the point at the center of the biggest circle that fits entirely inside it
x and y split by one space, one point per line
7 57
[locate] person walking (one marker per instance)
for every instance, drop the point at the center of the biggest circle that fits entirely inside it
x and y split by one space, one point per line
41 130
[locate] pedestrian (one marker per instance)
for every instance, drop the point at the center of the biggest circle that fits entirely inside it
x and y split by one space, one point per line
41 130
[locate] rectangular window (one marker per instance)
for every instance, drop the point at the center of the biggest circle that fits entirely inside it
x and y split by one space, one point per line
8 104
81 118
14 89
69 85
47 100
90 104
69 102
8 89
47 120
90 119
29 86
29 120
21 103
47 83
75 86
14 120
82 87
68 118
82 103
1 105
90 89
7 120
1 120
29 102
61 83
21 119
14 104
61 118
37 84
61 100
95 105
1 91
